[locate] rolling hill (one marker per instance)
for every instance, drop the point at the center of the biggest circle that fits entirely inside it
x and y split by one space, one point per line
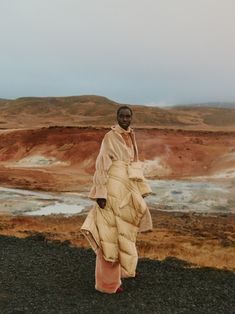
98 111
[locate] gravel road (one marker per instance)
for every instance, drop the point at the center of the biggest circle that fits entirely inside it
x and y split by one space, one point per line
38 276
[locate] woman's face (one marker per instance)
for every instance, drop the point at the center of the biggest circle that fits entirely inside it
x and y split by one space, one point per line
124 118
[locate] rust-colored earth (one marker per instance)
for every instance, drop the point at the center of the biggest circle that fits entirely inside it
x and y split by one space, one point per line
52 146
63 158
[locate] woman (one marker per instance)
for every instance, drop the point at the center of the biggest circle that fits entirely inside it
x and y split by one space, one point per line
120 211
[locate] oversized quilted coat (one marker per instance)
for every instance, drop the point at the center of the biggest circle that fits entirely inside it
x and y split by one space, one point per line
114 229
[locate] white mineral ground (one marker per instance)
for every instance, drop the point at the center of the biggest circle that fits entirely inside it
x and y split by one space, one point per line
170 195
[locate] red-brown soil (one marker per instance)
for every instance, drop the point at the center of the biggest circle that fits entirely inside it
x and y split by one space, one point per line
167 154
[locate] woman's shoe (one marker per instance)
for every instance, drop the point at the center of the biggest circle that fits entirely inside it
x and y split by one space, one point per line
119 290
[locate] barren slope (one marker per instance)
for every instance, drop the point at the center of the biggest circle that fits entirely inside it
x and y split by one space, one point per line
91 110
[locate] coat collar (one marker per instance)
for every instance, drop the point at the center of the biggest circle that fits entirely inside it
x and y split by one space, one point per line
120 130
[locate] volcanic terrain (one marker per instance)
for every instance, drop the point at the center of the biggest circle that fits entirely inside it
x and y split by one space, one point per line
51 144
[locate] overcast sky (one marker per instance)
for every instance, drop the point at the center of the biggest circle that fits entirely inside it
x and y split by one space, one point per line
131 51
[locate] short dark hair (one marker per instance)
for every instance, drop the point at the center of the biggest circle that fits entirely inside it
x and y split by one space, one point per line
124 107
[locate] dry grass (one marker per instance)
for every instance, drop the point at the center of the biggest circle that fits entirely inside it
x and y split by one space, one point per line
202 241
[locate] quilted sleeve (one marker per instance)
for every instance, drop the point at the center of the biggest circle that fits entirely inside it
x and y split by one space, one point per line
103 163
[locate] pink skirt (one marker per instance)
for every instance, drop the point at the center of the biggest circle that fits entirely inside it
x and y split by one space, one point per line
107 274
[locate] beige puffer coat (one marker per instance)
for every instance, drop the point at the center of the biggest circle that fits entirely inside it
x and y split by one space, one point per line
114 229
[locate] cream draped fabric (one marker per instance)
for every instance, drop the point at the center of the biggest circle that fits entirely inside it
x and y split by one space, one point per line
114 229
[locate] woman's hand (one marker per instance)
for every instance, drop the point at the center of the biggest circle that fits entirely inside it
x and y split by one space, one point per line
101 202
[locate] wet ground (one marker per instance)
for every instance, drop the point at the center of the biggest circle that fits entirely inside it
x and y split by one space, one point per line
19 201
170 195
192 196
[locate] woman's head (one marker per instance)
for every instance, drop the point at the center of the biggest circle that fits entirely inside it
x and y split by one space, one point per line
124 117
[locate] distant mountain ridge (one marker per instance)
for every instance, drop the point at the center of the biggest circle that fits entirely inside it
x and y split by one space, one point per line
99 111
209 104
